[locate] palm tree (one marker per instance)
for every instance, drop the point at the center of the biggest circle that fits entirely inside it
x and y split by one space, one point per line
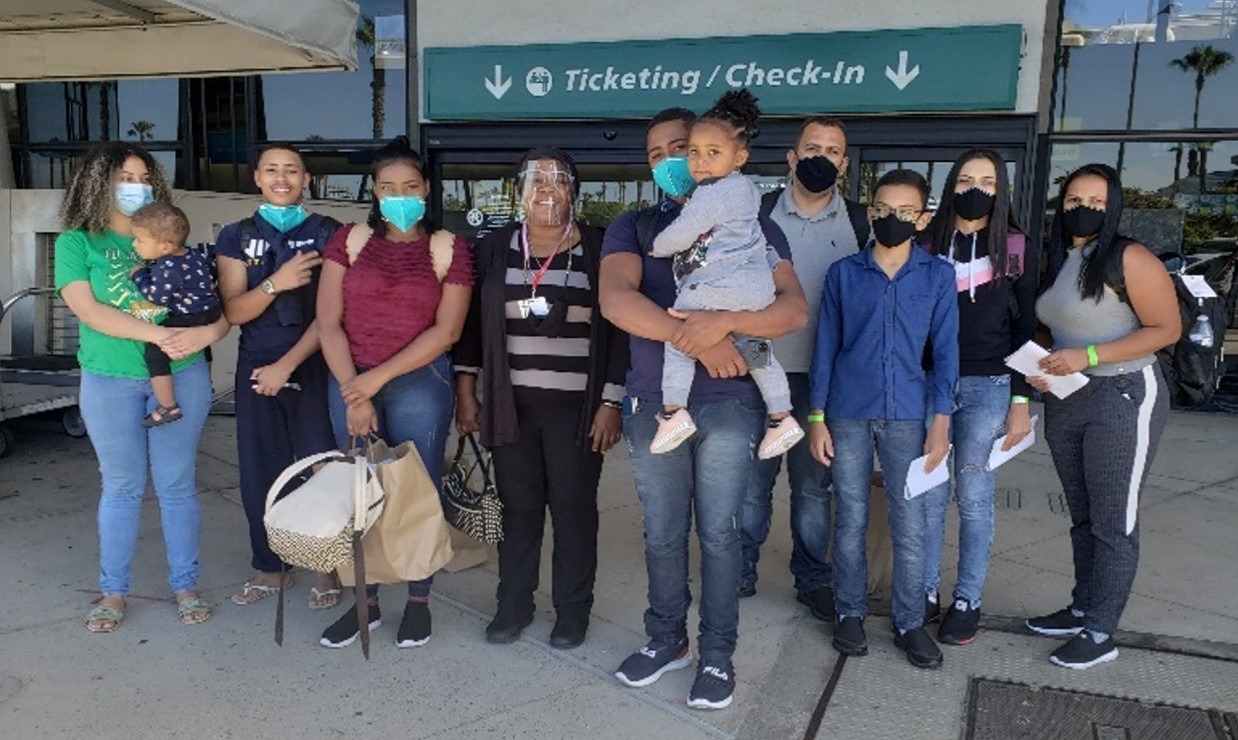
366 37
144 130
1205 61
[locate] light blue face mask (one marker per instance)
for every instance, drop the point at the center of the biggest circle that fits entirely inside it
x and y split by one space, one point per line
672 175
283 218
402 211
130 196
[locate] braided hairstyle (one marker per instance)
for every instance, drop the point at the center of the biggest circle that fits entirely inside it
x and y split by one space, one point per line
89 201
736 109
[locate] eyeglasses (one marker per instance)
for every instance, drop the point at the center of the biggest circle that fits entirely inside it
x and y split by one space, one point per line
902 213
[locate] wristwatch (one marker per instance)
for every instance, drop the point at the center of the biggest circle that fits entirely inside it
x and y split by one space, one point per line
268 287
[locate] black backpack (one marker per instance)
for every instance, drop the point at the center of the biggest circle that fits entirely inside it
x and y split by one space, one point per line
247 230
1191 371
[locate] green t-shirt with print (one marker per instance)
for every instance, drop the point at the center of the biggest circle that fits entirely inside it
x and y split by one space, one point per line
105 261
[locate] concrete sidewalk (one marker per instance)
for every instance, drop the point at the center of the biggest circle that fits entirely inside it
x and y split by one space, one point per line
155 678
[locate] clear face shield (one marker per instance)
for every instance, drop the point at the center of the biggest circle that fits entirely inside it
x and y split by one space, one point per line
546 189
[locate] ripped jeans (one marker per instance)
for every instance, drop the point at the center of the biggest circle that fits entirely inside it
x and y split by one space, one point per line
981 404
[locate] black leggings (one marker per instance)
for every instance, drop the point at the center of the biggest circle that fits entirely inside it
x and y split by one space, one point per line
158 363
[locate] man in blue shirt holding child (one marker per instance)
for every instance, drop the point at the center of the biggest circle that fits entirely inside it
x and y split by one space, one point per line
882 308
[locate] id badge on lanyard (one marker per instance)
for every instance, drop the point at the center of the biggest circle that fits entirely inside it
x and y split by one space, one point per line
536 305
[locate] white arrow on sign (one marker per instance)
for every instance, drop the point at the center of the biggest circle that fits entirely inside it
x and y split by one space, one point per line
498 87
903 77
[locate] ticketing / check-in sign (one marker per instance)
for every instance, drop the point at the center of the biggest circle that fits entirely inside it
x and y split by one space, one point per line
926 69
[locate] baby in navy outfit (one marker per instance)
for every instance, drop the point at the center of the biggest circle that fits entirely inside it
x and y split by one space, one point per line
178 279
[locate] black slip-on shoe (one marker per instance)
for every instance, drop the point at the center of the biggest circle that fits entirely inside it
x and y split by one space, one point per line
919 647
849 638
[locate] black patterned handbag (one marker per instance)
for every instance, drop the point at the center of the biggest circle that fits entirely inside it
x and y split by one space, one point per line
472 506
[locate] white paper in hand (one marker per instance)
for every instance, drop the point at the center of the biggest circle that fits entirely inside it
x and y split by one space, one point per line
919 481
999 457
1026 360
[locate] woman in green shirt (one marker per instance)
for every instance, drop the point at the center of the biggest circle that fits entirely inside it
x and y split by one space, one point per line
94 260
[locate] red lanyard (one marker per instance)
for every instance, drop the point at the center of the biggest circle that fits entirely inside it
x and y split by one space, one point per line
541 274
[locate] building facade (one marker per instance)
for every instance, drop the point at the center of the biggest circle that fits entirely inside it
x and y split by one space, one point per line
1144 85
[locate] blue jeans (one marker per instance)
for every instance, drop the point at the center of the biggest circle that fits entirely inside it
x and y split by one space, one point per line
810 506
415 407
981 403
707 474
113 409
898 443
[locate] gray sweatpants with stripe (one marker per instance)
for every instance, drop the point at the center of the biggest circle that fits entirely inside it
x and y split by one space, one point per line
1103 439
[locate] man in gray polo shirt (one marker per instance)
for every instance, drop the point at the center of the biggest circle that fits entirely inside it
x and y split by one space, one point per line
821 227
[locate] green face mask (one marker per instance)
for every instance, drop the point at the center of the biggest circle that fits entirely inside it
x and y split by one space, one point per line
283 218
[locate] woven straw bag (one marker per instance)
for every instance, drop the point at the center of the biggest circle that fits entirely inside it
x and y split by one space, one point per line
472 506
312 526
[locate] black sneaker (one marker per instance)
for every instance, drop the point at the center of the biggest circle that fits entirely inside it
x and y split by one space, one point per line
960 624
345 630
747 589
932 608
849 638
1060 623
504 630
1082 651
713 688
820 601
921 651
647 665
415 626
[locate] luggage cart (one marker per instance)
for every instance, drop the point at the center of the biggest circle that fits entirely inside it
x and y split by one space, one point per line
26 388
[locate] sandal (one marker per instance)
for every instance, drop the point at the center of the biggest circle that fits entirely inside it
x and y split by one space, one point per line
104 618
323 599
193 610
252 593
162 415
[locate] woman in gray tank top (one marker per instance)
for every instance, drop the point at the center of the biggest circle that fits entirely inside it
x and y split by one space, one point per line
1104 436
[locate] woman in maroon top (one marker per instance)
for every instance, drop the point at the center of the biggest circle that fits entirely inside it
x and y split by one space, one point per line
386 321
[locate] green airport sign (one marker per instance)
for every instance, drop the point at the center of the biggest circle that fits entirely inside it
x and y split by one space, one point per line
964 68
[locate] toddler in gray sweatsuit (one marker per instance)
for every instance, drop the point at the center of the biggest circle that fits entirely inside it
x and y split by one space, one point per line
721 263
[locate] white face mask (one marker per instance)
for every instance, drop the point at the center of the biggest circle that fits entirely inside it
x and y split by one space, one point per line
546 193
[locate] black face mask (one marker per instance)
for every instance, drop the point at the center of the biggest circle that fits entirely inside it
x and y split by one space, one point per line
1083 221
973 203
816 174
889 231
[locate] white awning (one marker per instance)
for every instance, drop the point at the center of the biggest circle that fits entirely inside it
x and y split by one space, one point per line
45 40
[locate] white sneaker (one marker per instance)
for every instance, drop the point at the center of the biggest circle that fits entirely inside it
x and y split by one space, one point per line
780 437
672 431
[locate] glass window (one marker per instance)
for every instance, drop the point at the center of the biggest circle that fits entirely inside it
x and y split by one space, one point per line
132 110
52 169
1179 198
1147 64
369 103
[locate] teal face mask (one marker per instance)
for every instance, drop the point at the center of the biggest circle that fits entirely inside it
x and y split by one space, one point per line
671 174
283 218
402 211
130 196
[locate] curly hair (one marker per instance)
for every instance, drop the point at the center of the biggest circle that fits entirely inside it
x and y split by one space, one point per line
737 109
88 203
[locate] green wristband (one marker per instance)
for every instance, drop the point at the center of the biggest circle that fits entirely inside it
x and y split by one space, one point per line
1093 358
1020 399
816 418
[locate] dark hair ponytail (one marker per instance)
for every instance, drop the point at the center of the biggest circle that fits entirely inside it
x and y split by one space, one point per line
738 109
398 150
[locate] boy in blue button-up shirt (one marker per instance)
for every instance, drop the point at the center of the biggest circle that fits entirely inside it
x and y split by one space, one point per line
880 309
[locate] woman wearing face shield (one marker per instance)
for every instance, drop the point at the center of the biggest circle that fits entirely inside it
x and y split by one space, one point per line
552 382
1108 308
996 274
389 309
94 259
